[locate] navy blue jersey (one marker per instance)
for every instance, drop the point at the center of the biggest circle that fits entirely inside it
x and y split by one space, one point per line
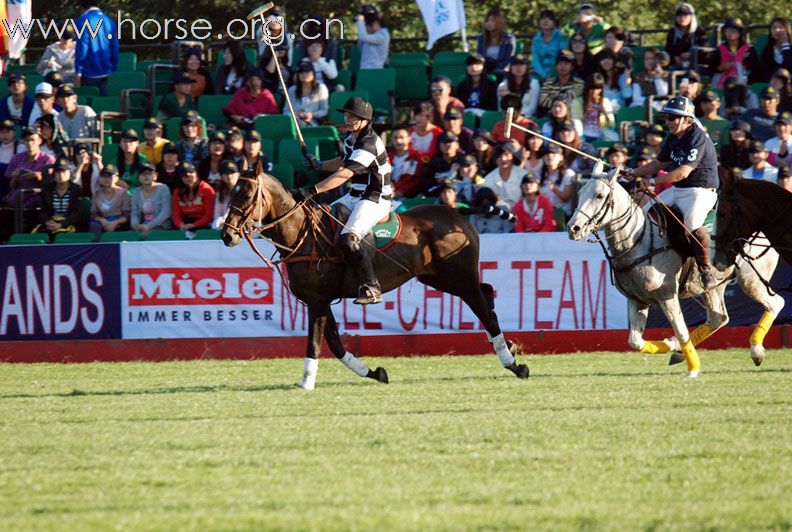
694 149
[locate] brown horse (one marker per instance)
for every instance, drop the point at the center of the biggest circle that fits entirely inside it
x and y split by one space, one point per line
436 245
747 207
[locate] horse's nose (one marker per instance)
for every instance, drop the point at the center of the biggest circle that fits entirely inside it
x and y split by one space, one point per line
575 228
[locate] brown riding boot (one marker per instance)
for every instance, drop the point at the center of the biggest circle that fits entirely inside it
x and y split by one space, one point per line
702 255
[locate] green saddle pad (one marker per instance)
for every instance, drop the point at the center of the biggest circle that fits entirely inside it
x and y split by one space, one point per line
386 233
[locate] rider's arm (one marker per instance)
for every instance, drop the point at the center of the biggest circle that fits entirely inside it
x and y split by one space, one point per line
339 177
677 174
331 165
650 168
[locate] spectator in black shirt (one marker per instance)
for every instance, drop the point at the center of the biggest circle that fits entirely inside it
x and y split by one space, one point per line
477 91
685 34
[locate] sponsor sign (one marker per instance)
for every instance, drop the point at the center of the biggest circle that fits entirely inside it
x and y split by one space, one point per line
202 289
59 292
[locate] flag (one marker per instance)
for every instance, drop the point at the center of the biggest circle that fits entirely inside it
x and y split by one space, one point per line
442 17
21 12
3 33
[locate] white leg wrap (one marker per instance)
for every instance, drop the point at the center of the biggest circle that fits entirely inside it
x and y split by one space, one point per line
310 370
502 350
355 364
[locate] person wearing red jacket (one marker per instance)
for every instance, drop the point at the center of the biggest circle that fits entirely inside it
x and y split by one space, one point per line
193 200
251 100
406 164
534 212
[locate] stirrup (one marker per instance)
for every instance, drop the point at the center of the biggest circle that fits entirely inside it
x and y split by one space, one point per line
368 295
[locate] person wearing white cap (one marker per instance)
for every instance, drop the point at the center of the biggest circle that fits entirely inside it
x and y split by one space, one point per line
45 103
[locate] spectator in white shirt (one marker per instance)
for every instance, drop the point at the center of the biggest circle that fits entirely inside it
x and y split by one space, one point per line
506 178
780 146
79 121
760 168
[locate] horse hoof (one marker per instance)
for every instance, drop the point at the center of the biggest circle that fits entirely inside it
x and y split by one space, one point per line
693 374
521 370
514 349
676 358
381 375
757 354
305 386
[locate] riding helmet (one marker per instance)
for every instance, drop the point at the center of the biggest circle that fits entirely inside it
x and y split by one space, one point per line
680 106
359 107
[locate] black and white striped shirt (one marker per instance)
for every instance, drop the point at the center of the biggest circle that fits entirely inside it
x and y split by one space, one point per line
367 158
60 204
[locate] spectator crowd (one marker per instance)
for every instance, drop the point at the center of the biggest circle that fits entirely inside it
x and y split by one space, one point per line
583 83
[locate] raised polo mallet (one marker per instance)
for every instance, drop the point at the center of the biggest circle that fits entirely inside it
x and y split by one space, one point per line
510 124
260 13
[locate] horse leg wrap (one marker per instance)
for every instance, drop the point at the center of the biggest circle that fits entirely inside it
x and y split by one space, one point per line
761 329
354 364
310 370
701 333
651 347
502 350
691 357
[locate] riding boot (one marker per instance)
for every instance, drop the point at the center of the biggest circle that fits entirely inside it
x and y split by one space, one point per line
369 290
701 252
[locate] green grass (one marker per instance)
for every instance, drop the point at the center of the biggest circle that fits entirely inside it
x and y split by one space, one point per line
589 442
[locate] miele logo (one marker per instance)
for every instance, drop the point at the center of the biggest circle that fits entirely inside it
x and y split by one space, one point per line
199 286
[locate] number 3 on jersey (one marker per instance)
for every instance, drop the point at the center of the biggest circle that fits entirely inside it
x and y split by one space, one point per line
693 154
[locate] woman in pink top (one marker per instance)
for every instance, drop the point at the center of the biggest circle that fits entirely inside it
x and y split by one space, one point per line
251 100
424 133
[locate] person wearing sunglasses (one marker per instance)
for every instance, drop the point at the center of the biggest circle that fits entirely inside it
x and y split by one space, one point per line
442 99
689 158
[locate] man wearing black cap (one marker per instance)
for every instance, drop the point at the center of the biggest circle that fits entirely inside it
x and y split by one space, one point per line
785 178
477 91
762 120
26 170
9 146
717 127
453 122
564 84
735 153
78 121
153 143
373 38
689 157
17 106
780 146
442 99
365 163
443 165
179 100
760 169
60 196
254 157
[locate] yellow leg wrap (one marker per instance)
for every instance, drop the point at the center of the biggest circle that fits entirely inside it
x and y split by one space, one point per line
761 329
654 348
691 356
701 333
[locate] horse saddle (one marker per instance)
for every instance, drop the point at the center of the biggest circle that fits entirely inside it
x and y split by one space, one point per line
382 236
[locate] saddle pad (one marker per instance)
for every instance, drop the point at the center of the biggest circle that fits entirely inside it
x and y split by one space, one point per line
383 235
386 233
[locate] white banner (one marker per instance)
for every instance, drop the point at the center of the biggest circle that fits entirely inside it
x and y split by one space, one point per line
203 289
442 17
22 11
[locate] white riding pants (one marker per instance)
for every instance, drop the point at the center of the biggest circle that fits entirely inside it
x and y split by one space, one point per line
694 202
365 214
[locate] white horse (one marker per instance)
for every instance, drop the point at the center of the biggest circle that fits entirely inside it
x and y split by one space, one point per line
647 270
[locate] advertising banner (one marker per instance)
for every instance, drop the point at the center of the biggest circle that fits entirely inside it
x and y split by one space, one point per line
201 289
57 292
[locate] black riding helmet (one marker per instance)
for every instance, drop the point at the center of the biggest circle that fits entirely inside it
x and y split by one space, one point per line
358 107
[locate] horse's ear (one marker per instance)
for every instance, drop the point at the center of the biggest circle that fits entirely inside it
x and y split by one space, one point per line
598 170
726 176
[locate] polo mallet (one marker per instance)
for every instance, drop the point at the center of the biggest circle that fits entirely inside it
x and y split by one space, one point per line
510 124
260 12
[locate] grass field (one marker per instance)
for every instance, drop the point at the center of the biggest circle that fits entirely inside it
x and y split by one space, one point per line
599 441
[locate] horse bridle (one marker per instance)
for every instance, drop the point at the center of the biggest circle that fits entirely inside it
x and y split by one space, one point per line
593 221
